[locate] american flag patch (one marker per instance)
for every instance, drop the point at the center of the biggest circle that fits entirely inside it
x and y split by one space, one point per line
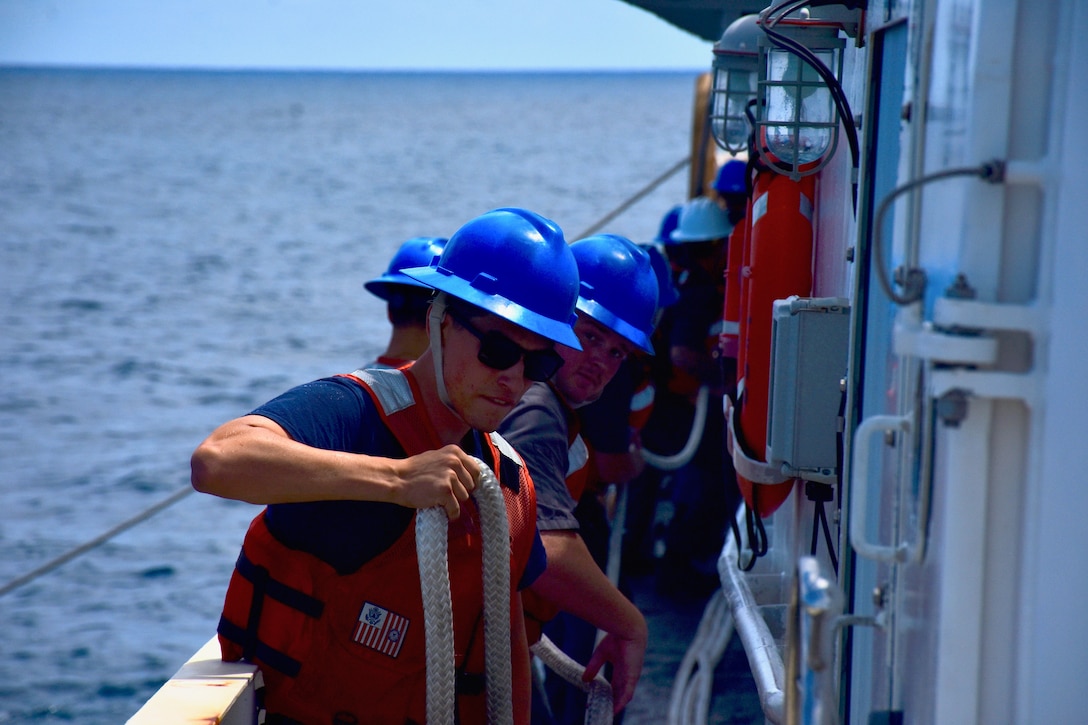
380 629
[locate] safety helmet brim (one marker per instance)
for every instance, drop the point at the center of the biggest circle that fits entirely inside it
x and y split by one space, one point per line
701 220
681 238
624 329
439 279
386 285
617 286
414 252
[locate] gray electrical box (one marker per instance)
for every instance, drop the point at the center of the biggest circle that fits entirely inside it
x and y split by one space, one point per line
810 340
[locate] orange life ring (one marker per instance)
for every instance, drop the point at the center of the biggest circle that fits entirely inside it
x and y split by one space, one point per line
777 263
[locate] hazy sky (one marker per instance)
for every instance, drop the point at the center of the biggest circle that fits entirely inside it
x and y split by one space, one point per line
389 34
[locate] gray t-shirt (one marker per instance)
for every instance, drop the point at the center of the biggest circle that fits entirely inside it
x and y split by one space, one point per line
537 428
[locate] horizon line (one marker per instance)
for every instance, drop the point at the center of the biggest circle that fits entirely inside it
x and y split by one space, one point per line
53 65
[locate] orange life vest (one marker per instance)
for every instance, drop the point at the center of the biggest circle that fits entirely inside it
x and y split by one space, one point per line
350 648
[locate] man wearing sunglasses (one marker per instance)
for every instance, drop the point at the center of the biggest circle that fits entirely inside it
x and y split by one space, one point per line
325 596
616 306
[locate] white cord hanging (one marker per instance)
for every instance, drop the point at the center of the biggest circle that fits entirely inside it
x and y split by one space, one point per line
432 551
671 463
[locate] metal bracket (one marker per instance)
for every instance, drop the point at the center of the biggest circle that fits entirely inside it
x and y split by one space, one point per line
751 469
951 312
930 343
943 341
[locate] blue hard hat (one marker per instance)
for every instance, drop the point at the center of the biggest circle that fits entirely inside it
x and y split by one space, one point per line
618 287
668 224
731 178
515 264
416 252
701 220
666 289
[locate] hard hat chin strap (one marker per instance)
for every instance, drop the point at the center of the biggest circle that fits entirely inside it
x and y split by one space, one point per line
434 332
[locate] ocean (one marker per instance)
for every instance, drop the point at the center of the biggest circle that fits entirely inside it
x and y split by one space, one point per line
178 247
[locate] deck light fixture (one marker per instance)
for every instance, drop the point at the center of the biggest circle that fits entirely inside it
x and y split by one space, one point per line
736 60
798 122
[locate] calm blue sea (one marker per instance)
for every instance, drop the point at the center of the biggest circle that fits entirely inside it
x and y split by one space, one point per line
178 247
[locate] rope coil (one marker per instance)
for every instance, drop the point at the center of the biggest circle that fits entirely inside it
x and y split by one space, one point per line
432 547
599 702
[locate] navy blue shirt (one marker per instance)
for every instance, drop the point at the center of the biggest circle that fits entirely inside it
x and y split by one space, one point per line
606 422
697 314
336 414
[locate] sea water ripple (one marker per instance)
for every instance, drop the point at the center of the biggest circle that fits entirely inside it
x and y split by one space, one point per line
178 247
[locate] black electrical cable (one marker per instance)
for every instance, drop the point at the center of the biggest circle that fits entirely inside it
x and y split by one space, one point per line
757 534
783 9
820 494
768 19
992 171
736 537
837 94
757 537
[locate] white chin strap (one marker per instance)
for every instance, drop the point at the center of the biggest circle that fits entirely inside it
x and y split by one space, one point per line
434 332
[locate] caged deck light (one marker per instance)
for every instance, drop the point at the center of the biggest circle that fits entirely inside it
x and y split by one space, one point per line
798 121
736 60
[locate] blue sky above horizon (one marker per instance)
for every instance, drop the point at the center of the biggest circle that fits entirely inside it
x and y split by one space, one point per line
346 34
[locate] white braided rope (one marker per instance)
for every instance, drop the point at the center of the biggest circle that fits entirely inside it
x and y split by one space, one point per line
432 548
496 560
432 552
685 454
599 701
692 689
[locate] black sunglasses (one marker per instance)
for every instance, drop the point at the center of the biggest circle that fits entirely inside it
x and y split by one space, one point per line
499 352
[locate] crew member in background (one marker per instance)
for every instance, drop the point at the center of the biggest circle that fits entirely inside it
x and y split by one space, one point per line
704 492
731 190
613 422
615 427
664 240
665 429
610 427
325 597
616 306
406 301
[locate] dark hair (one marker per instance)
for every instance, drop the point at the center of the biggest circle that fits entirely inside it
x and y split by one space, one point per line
408 305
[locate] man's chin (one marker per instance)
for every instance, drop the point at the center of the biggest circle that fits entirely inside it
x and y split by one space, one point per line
585 398
486 420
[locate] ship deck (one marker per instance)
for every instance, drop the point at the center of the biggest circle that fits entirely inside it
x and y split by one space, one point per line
673 619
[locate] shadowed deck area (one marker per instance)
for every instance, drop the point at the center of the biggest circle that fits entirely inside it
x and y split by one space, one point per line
673 621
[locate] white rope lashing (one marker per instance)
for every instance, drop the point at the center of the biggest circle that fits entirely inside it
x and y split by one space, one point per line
671 463
599 702
432 549
693 685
